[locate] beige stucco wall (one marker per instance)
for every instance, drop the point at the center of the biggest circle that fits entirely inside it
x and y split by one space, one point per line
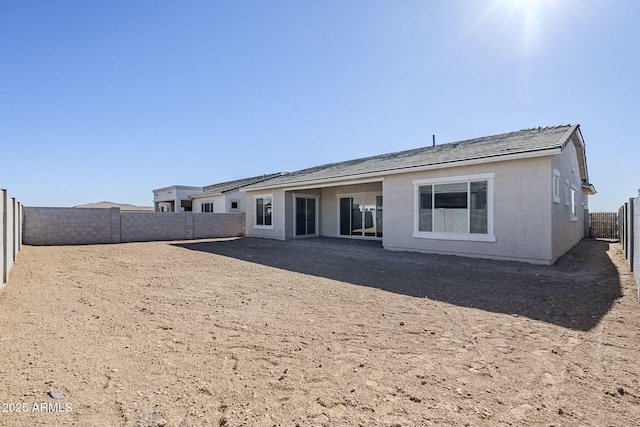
278 229
289 206
567 231
221 202
528 225
218 203
235 196
522 195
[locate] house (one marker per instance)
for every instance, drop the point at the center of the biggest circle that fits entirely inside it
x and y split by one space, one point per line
223 197
226 196
516 196
174 198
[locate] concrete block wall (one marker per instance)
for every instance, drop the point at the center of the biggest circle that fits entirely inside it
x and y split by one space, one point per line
72 226
68 226
11 239
180 226
218 225
136 227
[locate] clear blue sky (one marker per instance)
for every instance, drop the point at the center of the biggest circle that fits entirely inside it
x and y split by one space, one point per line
107 100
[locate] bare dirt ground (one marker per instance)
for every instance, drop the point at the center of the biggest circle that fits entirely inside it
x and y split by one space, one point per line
316 332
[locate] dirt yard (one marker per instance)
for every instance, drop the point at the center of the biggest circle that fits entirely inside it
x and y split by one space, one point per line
316 332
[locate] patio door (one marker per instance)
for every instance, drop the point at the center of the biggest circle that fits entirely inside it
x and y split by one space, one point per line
305 216
361 215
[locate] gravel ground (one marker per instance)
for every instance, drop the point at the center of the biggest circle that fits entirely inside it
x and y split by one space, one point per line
316 332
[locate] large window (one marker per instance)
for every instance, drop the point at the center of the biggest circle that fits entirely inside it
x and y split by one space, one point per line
263 211
458 208
206 207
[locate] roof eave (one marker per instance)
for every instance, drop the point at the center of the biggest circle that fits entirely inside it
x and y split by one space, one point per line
177 187
202 195
589 188
583 154
454 163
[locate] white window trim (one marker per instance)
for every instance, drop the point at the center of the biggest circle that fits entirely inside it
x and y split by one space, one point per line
567 193
473 237
255 218
231 208
207 202
574 203
306 196
555 189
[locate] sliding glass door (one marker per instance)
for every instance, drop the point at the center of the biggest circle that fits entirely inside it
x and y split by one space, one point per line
361 215
305 216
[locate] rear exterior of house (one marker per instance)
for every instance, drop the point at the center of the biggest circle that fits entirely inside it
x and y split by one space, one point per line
519 196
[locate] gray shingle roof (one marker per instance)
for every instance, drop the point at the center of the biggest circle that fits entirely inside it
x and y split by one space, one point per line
523 141
225 187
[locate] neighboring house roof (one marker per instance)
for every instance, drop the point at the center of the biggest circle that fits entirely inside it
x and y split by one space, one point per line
524 143
178 187
225 187
122 206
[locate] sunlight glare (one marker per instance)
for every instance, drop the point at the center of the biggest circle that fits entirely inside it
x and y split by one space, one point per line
529 15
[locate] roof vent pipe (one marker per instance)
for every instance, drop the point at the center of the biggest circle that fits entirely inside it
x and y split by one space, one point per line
434 141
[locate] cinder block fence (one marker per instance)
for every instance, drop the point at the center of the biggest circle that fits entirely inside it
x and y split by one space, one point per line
629 231
74 226
11 226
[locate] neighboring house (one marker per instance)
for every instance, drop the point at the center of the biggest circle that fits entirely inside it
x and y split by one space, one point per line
226 196
516 196
174 198
223 197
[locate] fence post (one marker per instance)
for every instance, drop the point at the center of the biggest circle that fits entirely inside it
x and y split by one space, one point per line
620 229
623 229
188 226
3 248
21 228
116 225
630 236
636 240
14 231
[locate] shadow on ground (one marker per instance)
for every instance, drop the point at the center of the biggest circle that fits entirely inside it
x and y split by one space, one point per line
574 293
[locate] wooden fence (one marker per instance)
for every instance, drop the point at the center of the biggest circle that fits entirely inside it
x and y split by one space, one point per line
603 225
